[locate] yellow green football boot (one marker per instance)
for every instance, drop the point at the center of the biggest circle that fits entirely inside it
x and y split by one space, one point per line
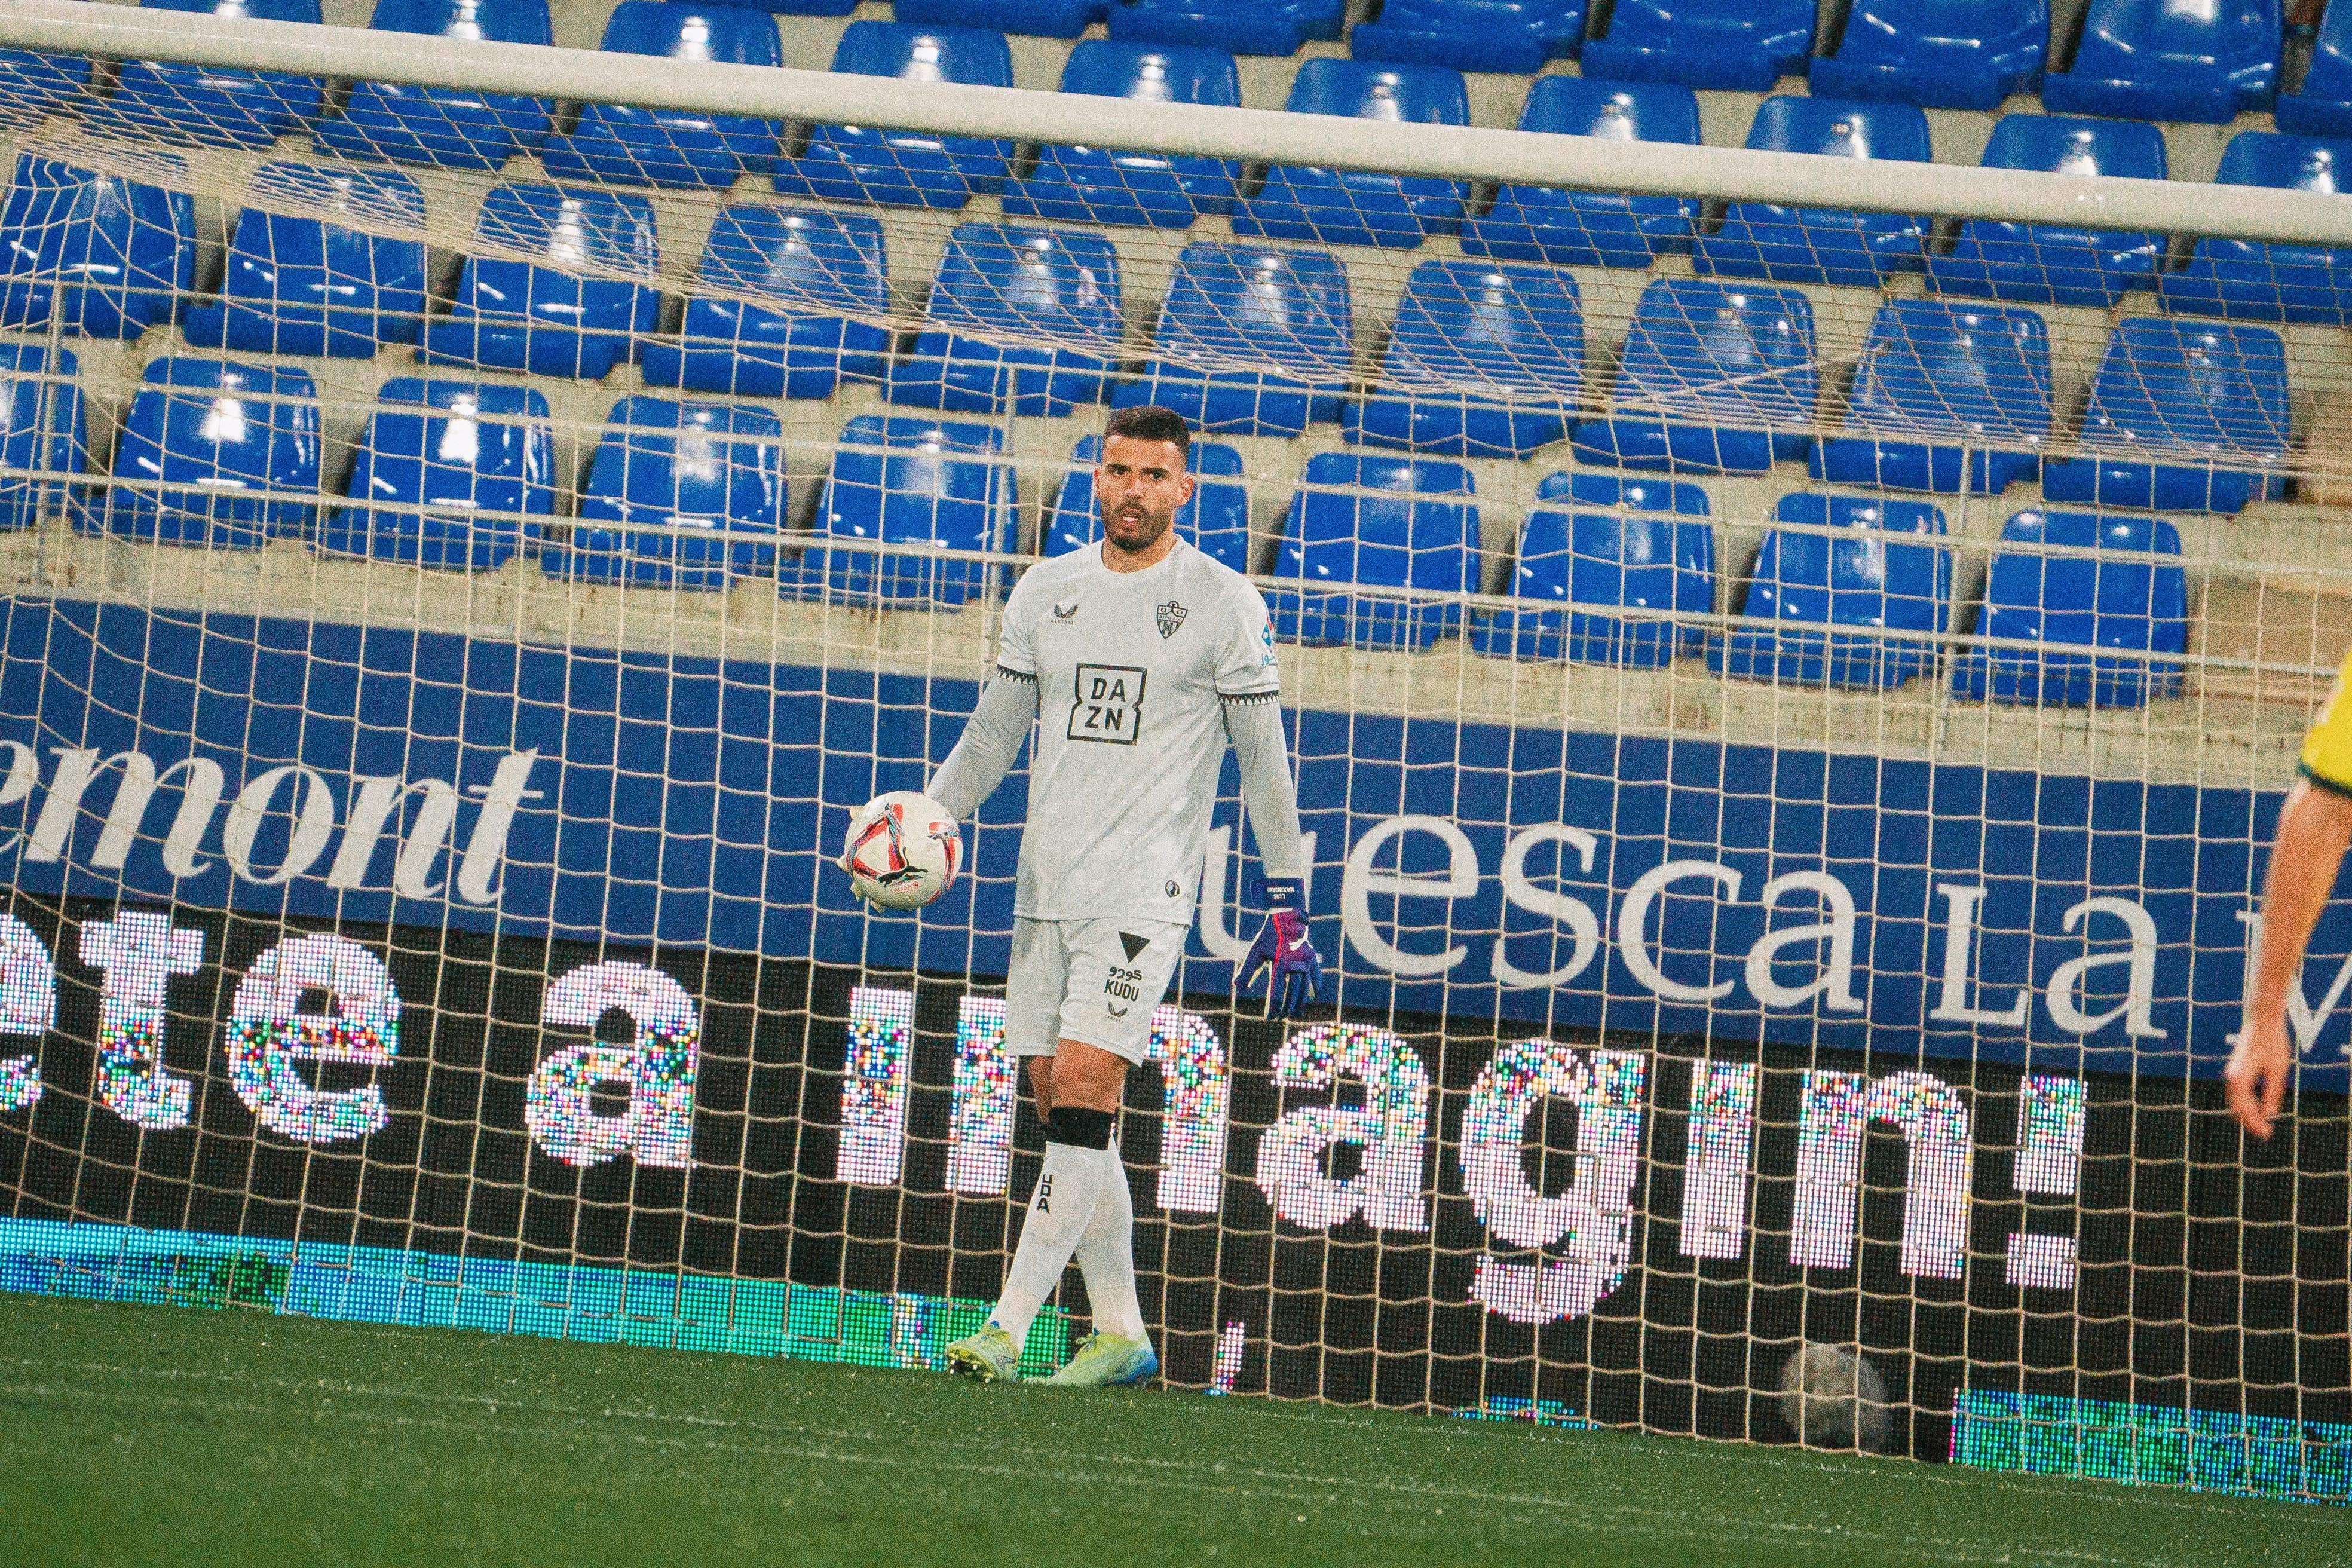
1106 1360
989 1355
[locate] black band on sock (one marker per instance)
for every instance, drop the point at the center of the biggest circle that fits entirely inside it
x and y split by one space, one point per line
1080 1127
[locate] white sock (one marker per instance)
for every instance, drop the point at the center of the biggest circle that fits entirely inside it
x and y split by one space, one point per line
1107 1254
1067 1189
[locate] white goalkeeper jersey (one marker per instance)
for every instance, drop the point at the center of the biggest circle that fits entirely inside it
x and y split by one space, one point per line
1133 670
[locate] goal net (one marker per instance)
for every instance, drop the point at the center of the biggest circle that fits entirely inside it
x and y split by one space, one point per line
1793 656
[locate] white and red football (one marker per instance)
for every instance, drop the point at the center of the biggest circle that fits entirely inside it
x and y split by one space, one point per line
904 850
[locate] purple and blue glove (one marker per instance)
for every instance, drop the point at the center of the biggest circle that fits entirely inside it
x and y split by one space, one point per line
1294 968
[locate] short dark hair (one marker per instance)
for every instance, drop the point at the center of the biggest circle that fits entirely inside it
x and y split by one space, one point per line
1150 422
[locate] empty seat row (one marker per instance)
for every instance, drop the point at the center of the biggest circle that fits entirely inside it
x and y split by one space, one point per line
1483 359
2155 59
457 475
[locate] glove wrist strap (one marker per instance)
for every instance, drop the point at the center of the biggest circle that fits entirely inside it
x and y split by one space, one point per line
1286 893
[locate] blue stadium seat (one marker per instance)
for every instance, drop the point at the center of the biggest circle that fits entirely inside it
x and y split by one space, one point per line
1815 245
1712 377
243 439
1592 228
41 430
668 147
2205 61
534 316
2250 280
2183 417
477 463
1946 397
33 83
210 105
2323 107
2127 601
1511 36
1743 45
1856 578
1245 304
1484 361
906 168
1237 26
454 128
1037 18
670 465
1357 207
1216 520
91 253
1616 544
2040 264
1095 184
1038 284
830 265
1413 524
1940 54
899 481
302 286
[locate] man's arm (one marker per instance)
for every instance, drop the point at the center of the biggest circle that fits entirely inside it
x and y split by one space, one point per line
991 741
2315 827
1254 724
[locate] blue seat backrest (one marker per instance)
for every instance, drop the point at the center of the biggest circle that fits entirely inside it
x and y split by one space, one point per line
1039 282
2135 601
1361 89
801 256
899 479
450 126
1838 128
2206 385
1254 302
245 437
480 456
1216 520
302 285
41 429
1742 45
1735 355
1475 324
670 147
1856 576
1513 36
678 465
975 55
92 252
2075 144
1415 524
214 105
1152 73
1612 111
1933 366
2166 59
1946 54
541 315
1609 541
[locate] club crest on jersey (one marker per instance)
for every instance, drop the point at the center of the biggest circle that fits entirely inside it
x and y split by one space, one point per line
1171 616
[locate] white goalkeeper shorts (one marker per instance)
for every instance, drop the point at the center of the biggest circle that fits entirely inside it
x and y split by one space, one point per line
1096 982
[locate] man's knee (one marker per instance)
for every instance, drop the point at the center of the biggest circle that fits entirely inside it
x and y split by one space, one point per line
1087 1076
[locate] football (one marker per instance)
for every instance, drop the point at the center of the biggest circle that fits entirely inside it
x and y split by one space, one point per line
1832 1398
903 850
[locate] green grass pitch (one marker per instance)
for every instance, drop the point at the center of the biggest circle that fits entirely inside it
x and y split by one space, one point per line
141 1434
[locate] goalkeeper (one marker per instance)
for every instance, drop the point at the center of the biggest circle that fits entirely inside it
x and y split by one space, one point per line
1143 657
2314 827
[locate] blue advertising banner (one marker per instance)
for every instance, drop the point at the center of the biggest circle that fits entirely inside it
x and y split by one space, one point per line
1538 878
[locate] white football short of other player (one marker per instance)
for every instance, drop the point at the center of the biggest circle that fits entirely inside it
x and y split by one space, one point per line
903 851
